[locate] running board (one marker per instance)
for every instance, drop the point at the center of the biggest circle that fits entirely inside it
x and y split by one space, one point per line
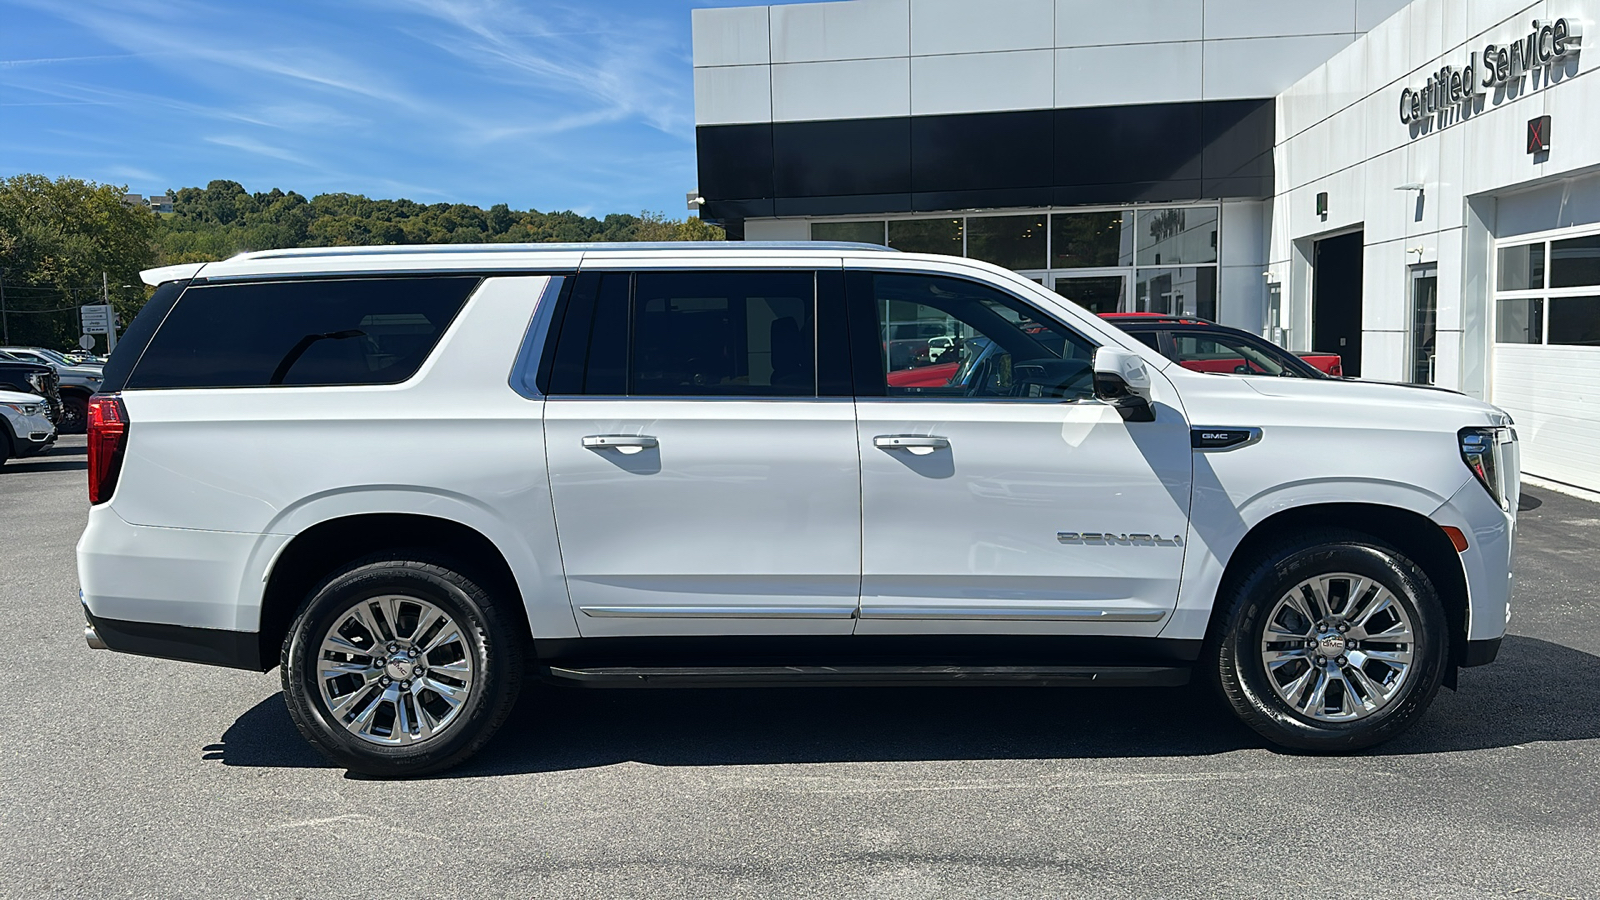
873 676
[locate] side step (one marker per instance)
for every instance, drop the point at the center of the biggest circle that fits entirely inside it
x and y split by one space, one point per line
873 676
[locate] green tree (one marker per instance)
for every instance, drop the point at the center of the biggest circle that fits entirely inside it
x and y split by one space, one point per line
56 239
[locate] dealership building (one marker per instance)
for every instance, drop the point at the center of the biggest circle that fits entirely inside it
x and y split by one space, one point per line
1415 186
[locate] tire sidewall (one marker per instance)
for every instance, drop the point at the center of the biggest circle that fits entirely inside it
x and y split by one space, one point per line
1245 677
332 601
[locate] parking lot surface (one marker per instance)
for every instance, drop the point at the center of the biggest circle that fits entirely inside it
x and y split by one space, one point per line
123 776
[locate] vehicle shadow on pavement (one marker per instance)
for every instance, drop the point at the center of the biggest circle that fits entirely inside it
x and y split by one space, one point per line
45 462
1537 691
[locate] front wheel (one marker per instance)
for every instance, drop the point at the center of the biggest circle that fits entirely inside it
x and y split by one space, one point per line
400 666
1331 644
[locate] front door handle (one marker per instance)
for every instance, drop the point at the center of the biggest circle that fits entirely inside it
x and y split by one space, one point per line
624 443
916 443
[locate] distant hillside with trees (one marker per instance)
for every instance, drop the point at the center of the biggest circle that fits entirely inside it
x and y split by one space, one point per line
58 236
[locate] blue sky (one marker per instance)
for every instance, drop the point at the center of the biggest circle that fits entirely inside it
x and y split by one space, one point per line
549 105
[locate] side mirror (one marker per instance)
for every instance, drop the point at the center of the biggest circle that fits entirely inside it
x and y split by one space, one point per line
1122 382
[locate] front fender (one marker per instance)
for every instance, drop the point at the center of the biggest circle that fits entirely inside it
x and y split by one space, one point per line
1220 520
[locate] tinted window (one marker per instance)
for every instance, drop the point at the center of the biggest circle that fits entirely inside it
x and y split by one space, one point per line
1231 355
947 338
133 342
352 331
724 334
1575 320
1574 262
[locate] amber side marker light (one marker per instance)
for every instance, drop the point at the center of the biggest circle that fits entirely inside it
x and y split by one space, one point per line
1456 537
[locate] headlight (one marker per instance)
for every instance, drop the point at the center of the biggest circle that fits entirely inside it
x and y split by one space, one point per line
38 380
1486 453
27 409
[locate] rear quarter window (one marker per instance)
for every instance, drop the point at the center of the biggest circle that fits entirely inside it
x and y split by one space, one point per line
301 333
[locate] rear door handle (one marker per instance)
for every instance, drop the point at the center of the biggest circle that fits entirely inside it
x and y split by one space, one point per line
925 443
626 443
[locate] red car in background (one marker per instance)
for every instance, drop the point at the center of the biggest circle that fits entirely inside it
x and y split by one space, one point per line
1194 343
1204 346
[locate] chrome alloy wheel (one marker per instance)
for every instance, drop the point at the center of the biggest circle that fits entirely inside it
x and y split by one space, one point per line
394 670
1338 647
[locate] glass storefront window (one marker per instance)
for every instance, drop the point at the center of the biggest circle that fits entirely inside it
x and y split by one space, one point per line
1177 292
1091 240
1519 321
1520 268
1573 320
1167 237
1097 294
1016 242
1574 262
857 232
926 235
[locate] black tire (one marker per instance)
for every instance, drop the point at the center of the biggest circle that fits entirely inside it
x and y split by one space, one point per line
5 443
1235 647
488 634
74 415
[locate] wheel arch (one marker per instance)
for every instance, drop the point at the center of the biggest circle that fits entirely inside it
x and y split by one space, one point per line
1420 538
319 549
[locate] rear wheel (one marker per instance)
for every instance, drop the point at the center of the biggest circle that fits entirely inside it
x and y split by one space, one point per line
1331 644
400 666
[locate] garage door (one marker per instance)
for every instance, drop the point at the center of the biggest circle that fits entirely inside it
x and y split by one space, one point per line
1547 351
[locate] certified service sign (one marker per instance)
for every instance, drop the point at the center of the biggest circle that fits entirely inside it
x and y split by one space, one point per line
1497 65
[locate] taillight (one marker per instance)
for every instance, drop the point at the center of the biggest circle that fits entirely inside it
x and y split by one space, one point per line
108 437
1336 370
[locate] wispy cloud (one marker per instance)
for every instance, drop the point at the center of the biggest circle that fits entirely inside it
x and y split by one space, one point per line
545 103
251 145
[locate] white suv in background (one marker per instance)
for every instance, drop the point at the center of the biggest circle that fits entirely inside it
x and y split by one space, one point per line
25 426
407 475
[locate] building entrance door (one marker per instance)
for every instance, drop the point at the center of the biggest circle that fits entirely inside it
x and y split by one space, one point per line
1424 323
1099 292
1336 299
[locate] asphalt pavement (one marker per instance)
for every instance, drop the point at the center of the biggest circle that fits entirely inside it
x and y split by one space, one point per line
123 776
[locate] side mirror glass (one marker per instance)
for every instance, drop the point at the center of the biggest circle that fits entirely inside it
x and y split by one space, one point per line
1122 382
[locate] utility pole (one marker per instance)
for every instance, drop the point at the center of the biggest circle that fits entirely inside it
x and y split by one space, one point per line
111 326
5 319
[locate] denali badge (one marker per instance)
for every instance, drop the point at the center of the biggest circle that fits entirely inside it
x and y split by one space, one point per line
1106 537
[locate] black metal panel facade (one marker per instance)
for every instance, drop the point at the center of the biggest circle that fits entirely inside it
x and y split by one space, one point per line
1064 157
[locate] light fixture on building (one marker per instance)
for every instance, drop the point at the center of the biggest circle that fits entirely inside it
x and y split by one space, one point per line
695 200
1322 205
1412 186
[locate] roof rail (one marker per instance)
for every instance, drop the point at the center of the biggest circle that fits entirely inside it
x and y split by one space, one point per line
593 246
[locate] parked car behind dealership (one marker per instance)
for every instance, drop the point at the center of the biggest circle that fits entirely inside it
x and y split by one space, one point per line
690 464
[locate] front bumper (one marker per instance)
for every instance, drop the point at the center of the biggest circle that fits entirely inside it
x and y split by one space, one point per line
1487 564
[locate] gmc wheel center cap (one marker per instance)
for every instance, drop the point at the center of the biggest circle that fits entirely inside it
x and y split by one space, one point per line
1331 644
399 666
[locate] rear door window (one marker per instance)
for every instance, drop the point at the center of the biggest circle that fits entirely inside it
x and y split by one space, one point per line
301 333
700 334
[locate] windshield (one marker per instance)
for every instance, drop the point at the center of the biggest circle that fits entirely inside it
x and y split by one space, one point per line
1225 354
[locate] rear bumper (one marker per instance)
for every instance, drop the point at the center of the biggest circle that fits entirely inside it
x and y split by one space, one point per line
209 580
211 646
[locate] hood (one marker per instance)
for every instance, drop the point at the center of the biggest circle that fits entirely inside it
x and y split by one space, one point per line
16 397
1374 393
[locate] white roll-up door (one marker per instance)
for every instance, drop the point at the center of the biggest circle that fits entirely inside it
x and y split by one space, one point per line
1547 350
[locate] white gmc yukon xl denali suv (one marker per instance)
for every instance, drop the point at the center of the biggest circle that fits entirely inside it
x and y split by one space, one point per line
411 476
